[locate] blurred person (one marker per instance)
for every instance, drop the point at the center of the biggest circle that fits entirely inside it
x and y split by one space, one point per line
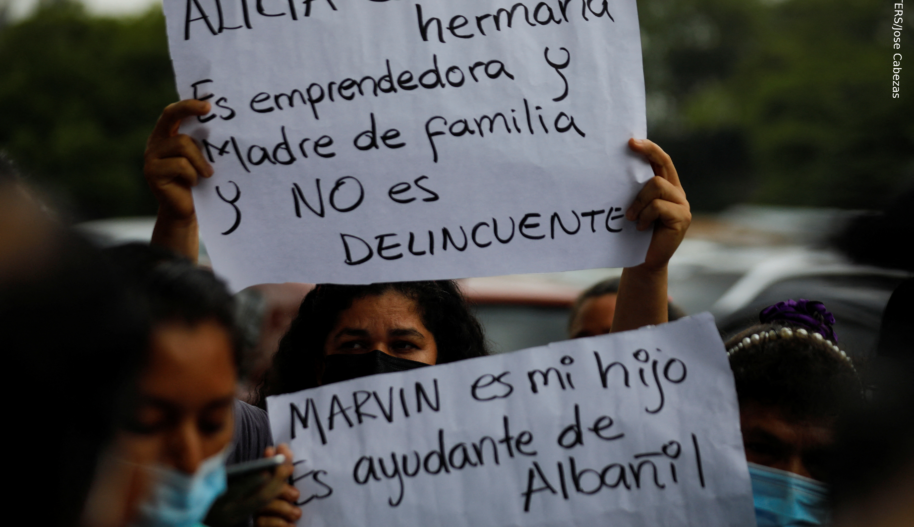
793 384
280 303
593 311
872 238
74 340
185 403
878 239
27 232
894 340
873 466
142 262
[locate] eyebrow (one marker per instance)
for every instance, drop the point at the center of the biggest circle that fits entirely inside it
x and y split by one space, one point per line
760 434
228 400
406 332
168 405
397 332
351 332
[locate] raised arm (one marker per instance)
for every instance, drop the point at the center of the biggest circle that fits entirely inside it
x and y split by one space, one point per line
172 165
642 298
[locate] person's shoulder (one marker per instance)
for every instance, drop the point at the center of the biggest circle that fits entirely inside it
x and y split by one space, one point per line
252 433
248 413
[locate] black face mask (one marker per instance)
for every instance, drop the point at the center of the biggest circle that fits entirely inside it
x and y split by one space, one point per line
352 366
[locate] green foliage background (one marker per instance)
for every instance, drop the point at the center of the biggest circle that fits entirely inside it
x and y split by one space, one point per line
78 97
778 102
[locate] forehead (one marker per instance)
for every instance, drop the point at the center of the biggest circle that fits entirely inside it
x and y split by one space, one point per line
768 420
597 308
189 362
378 312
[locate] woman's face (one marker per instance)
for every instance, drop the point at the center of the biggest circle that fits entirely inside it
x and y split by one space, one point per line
389 323
595 317
186 394
772 440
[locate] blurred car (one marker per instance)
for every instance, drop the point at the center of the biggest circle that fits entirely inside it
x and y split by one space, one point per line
520 311
115 231
856 295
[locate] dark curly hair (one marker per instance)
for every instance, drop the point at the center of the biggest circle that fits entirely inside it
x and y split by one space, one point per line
803 377
299 360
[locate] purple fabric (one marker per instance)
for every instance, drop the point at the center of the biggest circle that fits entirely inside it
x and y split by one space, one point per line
810 314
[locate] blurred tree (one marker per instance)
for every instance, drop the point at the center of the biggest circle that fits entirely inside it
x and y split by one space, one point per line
780 102
78 96
691 48
818 106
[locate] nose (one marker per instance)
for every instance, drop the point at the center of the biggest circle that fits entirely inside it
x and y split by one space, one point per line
185 449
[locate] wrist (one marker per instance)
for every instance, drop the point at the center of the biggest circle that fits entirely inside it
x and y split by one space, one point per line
649 271
176 220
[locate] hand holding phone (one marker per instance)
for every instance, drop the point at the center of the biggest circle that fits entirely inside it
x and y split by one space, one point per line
251 485
282 511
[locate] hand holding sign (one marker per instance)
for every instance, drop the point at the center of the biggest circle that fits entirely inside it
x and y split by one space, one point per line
661 203
642 297
633 429
173 165
173 162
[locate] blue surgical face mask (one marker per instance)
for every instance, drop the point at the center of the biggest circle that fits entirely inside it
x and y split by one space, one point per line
784 499
182 500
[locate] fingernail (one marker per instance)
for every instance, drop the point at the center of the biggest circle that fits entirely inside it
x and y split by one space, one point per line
630 215
638 141
209 170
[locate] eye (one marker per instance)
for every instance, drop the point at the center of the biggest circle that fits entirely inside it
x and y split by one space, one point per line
210 426
765 449
355 344
147 421
214 421
403 345
140 427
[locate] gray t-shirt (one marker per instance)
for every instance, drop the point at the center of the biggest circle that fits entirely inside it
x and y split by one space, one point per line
252 433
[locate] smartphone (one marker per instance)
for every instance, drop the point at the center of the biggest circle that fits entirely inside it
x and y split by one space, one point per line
248 468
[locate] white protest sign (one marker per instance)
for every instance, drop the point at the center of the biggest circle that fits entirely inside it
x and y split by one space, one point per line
372 140
635 429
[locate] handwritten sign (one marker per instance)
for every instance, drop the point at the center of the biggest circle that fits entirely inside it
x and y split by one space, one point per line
639 428
373 140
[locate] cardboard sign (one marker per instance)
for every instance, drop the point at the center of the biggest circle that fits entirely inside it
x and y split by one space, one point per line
357 141
634 429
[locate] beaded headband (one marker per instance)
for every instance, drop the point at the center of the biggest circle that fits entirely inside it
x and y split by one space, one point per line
785 333
808 313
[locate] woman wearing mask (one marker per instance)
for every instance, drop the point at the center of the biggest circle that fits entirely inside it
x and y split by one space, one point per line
347 331
183 403
793 383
